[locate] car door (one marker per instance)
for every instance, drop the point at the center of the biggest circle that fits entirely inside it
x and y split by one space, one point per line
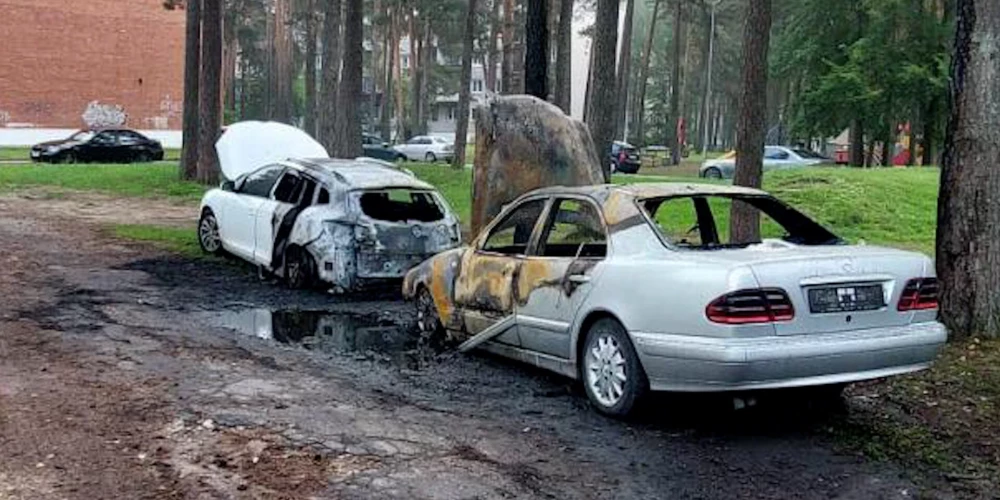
484 292
130 146
775 158
238 217
557 275
100 148
270 214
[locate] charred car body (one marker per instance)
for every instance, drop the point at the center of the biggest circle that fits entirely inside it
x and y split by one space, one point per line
637 288
341 223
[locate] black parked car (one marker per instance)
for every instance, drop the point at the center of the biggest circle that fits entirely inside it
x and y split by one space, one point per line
624 158
375 147
104 146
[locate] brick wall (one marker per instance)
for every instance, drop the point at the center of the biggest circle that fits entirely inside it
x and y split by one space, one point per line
59 56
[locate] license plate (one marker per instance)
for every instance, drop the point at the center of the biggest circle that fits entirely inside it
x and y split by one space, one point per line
846 298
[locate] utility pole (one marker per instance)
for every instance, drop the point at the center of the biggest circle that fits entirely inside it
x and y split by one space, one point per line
708 80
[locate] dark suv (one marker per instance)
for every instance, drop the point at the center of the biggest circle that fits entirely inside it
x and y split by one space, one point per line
624 158
104 146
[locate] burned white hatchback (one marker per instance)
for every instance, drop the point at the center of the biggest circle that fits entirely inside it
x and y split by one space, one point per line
342 224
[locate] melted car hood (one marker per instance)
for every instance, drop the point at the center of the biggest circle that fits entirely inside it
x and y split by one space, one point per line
247 146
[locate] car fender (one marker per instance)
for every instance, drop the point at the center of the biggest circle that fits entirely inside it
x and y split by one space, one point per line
438 274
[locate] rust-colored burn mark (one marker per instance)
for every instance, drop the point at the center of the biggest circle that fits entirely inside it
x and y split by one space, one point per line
621 212
485 283
536 274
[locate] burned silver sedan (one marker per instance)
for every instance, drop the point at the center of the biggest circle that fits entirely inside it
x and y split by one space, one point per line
639 288
342 224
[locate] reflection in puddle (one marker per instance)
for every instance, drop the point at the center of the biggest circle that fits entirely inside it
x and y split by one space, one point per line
343 333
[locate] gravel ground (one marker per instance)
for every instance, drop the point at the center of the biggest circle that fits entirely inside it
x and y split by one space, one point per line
129 373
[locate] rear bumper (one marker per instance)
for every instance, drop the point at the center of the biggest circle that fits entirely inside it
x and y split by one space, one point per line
688 363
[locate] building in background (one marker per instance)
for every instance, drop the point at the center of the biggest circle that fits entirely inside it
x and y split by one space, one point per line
71 65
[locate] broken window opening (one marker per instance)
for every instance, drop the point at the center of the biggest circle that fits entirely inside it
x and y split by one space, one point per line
574 230
512 235
401 205
701 222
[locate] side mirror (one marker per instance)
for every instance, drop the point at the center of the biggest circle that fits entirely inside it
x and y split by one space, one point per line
228 186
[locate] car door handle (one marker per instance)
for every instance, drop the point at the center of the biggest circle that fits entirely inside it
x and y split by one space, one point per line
578 278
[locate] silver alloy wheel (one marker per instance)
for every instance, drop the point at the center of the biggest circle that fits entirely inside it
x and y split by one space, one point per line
208 233
605 365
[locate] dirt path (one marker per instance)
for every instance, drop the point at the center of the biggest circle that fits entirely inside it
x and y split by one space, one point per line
128 373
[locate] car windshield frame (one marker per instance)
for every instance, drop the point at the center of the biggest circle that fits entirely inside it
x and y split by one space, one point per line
802 229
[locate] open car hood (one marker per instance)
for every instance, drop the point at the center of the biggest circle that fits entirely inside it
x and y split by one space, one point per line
247 146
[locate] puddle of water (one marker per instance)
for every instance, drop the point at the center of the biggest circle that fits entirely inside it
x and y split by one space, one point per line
364 336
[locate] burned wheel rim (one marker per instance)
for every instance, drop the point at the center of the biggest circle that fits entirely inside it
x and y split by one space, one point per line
208 234
428 320
605 370
299 271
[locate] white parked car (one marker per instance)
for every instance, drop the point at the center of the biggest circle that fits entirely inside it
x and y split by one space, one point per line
638 288
775 158
313 220
427 148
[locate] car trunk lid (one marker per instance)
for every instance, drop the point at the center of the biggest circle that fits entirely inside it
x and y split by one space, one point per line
834 288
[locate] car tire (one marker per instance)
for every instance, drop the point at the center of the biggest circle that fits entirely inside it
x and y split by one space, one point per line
68 157
143 157
208 233
300 269
610 369
430 157
428 318
401 158
713 173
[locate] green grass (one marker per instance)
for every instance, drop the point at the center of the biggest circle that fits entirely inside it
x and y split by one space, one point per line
183 241
152 180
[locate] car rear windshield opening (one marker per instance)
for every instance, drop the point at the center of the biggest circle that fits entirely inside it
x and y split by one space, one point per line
701 222
400 205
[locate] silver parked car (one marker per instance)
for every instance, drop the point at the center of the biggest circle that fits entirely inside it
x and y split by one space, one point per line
427 148
638 288
775 158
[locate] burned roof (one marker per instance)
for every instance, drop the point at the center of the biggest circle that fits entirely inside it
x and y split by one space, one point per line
362 173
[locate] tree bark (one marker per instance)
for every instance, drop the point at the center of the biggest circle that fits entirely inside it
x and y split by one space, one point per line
385 112
311 51
281 101
564 57
744 219
348 119
624 71
968 231
210 91
640 99
507 75
415 44
675 83
329 88
493 51
397 75
536 56
192 75
857 140
602 98
462 130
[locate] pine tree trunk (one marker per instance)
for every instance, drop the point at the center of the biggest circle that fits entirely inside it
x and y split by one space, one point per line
282 76
230 49
415 42
348 119
968 231
329 88
465 83
507 75
640 104
192 76
857 140
602 99
676 78
385 113
397 76
624 71
493 51
311 50
536 56
744 219
210 91
564 57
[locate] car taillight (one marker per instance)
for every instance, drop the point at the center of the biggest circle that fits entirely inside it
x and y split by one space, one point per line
919 294
761 305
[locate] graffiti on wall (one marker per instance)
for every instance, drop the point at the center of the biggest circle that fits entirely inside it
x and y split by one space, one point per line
169 109
98 115
4 117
